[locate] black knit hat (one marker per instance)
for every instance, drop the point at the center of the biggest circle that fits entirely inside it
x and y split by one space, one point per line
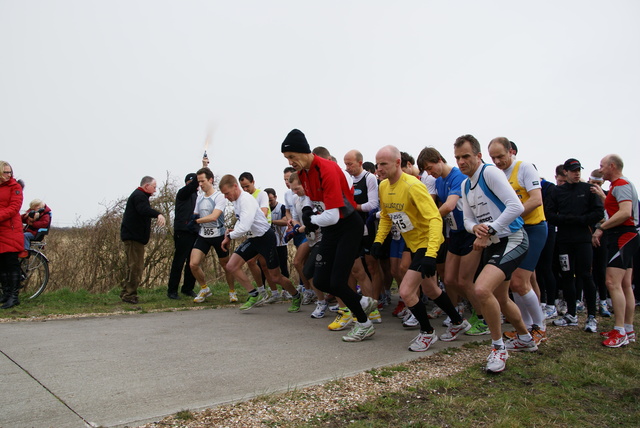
191 176
295 142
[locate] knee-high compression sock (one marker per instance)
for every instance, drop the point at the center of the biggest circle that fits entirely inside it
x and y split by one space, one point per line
419 311
524 310
530 300
444 302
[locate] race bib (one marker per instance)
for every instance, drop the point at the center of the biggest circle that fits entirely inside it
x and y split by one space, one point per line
210 232
450 221
401 221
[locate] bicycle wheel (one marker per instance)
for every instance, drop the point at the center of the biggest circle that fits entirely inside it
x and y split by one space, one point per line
34 274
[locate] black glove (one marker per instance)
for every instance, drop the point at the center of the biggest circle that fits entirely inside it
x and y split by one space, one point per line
307 212
427 266
192 225
376 250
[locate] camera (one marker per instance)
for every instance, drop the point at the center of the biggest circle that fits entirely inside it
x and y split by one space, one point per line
32 213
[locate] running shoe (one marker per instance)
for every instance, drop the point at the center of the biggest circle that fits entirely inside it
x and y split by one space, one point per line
296 301
286 295
274 298
342 321
615 339
508 335
435 313
368 304
631 335
308 297
334 308
473 319
550 312
561 306
538 335
497 360
592 325
446 322
359 333
454 331
579 306
250 303
604 310
399 308
478 329
262 297
566 320
321 308
203 294
518 344
233 297
404 313
411 322
375 317
423 341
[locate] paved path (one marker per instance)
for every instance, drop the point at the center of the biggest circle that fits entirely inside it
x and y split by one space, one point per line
127 370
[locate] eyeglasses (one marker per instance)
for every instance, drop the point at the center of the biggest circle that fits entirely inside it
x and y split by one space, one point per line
8 172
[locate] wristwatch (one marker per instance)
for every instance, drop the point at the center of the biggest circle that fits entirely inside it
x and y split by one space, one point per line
491 231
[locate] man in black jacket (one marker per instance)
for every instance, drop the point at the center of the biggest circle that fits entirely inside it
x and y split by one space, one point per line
575 210
183 239
135 232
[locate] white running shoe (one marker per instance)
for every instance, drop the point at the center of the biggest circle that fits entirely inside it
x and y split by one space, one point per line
233 297
203 294
550 312
592 324
446 322
497 360
423 341
321 308
308 297
368 304
435 313
359 333
517 344
454 331
411 322
274 298
403 313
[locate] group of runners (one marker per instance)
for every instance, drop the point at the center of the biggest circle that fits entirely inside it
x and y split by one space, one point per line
480 227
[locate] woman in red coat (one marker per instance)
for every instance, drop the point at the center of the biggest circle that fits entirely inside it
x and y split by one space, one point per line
11 236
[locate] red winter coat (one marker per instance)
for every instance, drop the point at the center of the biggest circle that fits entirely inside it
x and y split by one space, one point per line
43 222
11 236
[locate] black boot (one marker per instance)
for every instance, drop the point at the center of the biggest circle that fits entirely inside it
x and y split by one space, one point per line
4 280
14 287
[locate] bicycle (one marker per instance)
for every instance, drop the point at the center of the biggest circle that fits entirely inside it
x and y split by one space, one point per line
34 269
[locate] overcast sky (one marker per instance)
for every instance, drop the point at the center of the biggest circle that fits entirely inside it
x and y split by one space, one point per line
96 94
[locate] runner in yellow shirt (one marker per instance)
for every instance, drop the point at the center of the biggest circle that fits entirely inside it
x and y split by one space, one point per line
405 202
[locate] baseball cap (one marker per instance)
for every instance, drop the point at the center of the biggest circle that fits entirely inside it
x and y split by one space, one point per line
572 165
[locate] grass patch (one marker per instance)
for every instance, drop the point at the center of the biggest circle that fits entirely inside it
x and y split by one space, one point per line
572 381
67 302
184 415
